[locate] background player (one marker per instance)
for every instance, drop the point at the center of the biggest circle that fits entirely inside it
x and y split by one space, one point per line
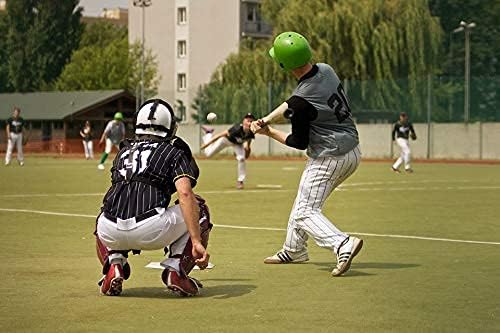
402 131
322 124
135 213
113 134
239 136
86 134
15 131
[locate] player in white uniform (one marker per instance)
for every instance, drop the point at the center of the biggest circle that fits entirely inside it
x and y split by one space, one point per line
401 133
322 124
15 130
239 137
86 134
113 134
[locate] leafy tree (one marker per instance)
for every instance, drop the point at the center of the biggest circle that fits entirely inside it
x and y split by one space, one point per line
41 36
484 60
4 68
107 62
375 42
101 34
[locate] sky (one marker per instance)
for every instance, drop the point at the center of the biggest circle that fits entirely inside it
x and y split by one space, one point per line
94 7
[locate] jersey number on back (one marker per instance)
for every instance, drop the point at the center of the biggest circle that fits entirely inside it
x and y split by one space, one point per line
140 159
338 102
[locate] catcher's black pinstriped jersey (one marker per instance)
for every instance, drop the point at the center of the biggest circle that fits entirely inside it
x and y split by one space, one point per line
156 165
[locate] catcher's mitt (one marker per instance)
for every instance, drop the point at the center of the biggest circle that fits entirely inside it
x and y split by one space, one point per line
413 136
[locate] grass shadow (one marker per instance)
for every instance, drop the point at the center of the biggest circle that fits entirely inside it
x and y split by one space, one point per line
328 266
215 292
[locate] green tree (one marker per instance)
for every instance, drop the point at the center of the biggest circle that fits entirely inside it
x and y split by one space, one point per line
364 40
112 66
101 34
4 67
484 60
41 37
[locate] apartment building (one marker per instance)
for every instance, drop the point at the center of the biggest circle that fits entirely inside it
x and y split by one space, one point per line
191 38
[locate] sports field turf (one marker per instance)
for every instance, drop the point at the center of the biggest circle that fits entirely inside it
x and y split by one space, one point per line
405 284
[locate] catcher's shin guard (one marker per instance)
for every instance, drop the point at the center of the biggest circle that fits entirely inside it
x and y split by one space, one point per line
103 255
101 249
187 261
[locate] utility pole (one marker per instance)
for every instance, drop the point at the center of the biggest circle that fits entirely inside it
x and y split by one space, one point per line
142 4
466 28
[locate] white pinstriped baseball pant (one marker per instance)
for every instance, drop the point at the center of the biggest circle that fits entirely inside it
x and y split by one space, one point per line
320 177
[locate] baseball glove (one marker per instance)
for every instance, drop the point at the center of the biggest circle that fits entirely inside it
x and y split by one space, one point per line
413 136
25 140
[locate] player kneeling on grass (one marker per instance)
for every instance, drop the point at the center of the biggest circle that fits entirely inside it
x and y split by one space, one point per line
322 124
135 214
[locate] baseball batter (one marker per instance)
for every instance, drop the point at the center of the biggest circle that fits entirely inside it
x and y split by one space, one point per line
136 214
322 124
15 129
239 137
113 134
402 131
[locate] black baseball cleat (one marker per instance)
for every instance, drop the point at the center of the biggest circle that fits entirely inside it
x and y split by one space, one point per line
409 170
395 170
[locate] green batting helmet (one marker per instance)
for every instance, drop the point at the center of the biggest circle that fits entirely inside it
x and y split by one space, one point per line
118 116
291 50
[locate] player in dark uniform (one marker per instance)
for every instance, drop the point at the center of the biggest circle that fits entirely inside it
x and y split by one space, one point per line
136 215
15 130
239 136
401 133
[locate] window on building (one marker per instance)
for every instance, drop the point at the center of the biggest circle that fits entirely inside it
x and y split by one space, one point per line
181 15
181 48
252 11
181 81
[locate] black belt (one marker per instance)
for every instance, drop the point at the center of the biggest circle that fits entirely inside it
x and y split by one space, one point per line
138 218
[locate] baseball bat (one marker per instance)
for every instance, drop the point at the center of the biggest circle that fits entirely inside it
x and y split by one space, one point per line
279 115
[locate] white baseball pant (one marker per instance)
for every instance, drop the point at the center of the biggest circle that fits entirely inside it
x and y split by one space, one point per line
405 154
109 146
320 177
15 140
222 143
88 148
154 233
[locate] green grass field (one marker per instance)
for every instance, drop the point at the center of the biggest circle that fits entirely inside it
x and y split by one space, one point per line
49 269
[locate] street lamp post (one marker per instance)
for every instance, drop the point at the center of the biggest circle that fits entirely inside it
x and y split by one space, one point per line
466 28
143 4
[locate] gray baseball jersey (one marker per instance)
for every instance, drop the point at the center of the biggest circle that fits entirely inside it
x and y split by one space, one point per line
333 132
115 130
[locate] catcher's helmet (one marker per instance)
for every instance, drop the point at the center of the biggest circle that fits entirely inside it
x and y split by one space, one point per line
291 50
156 117
118 116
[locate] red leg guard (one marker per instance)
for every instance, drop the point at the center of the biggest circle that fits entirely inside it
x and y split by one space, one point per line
187 261
102 250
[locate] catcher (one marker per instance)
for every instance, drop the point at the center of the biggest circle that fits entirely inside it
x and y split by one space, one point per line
136 215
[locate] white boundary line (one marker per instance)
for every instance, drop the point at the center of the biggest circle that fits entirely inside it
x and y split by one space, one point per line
263 228
343 187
